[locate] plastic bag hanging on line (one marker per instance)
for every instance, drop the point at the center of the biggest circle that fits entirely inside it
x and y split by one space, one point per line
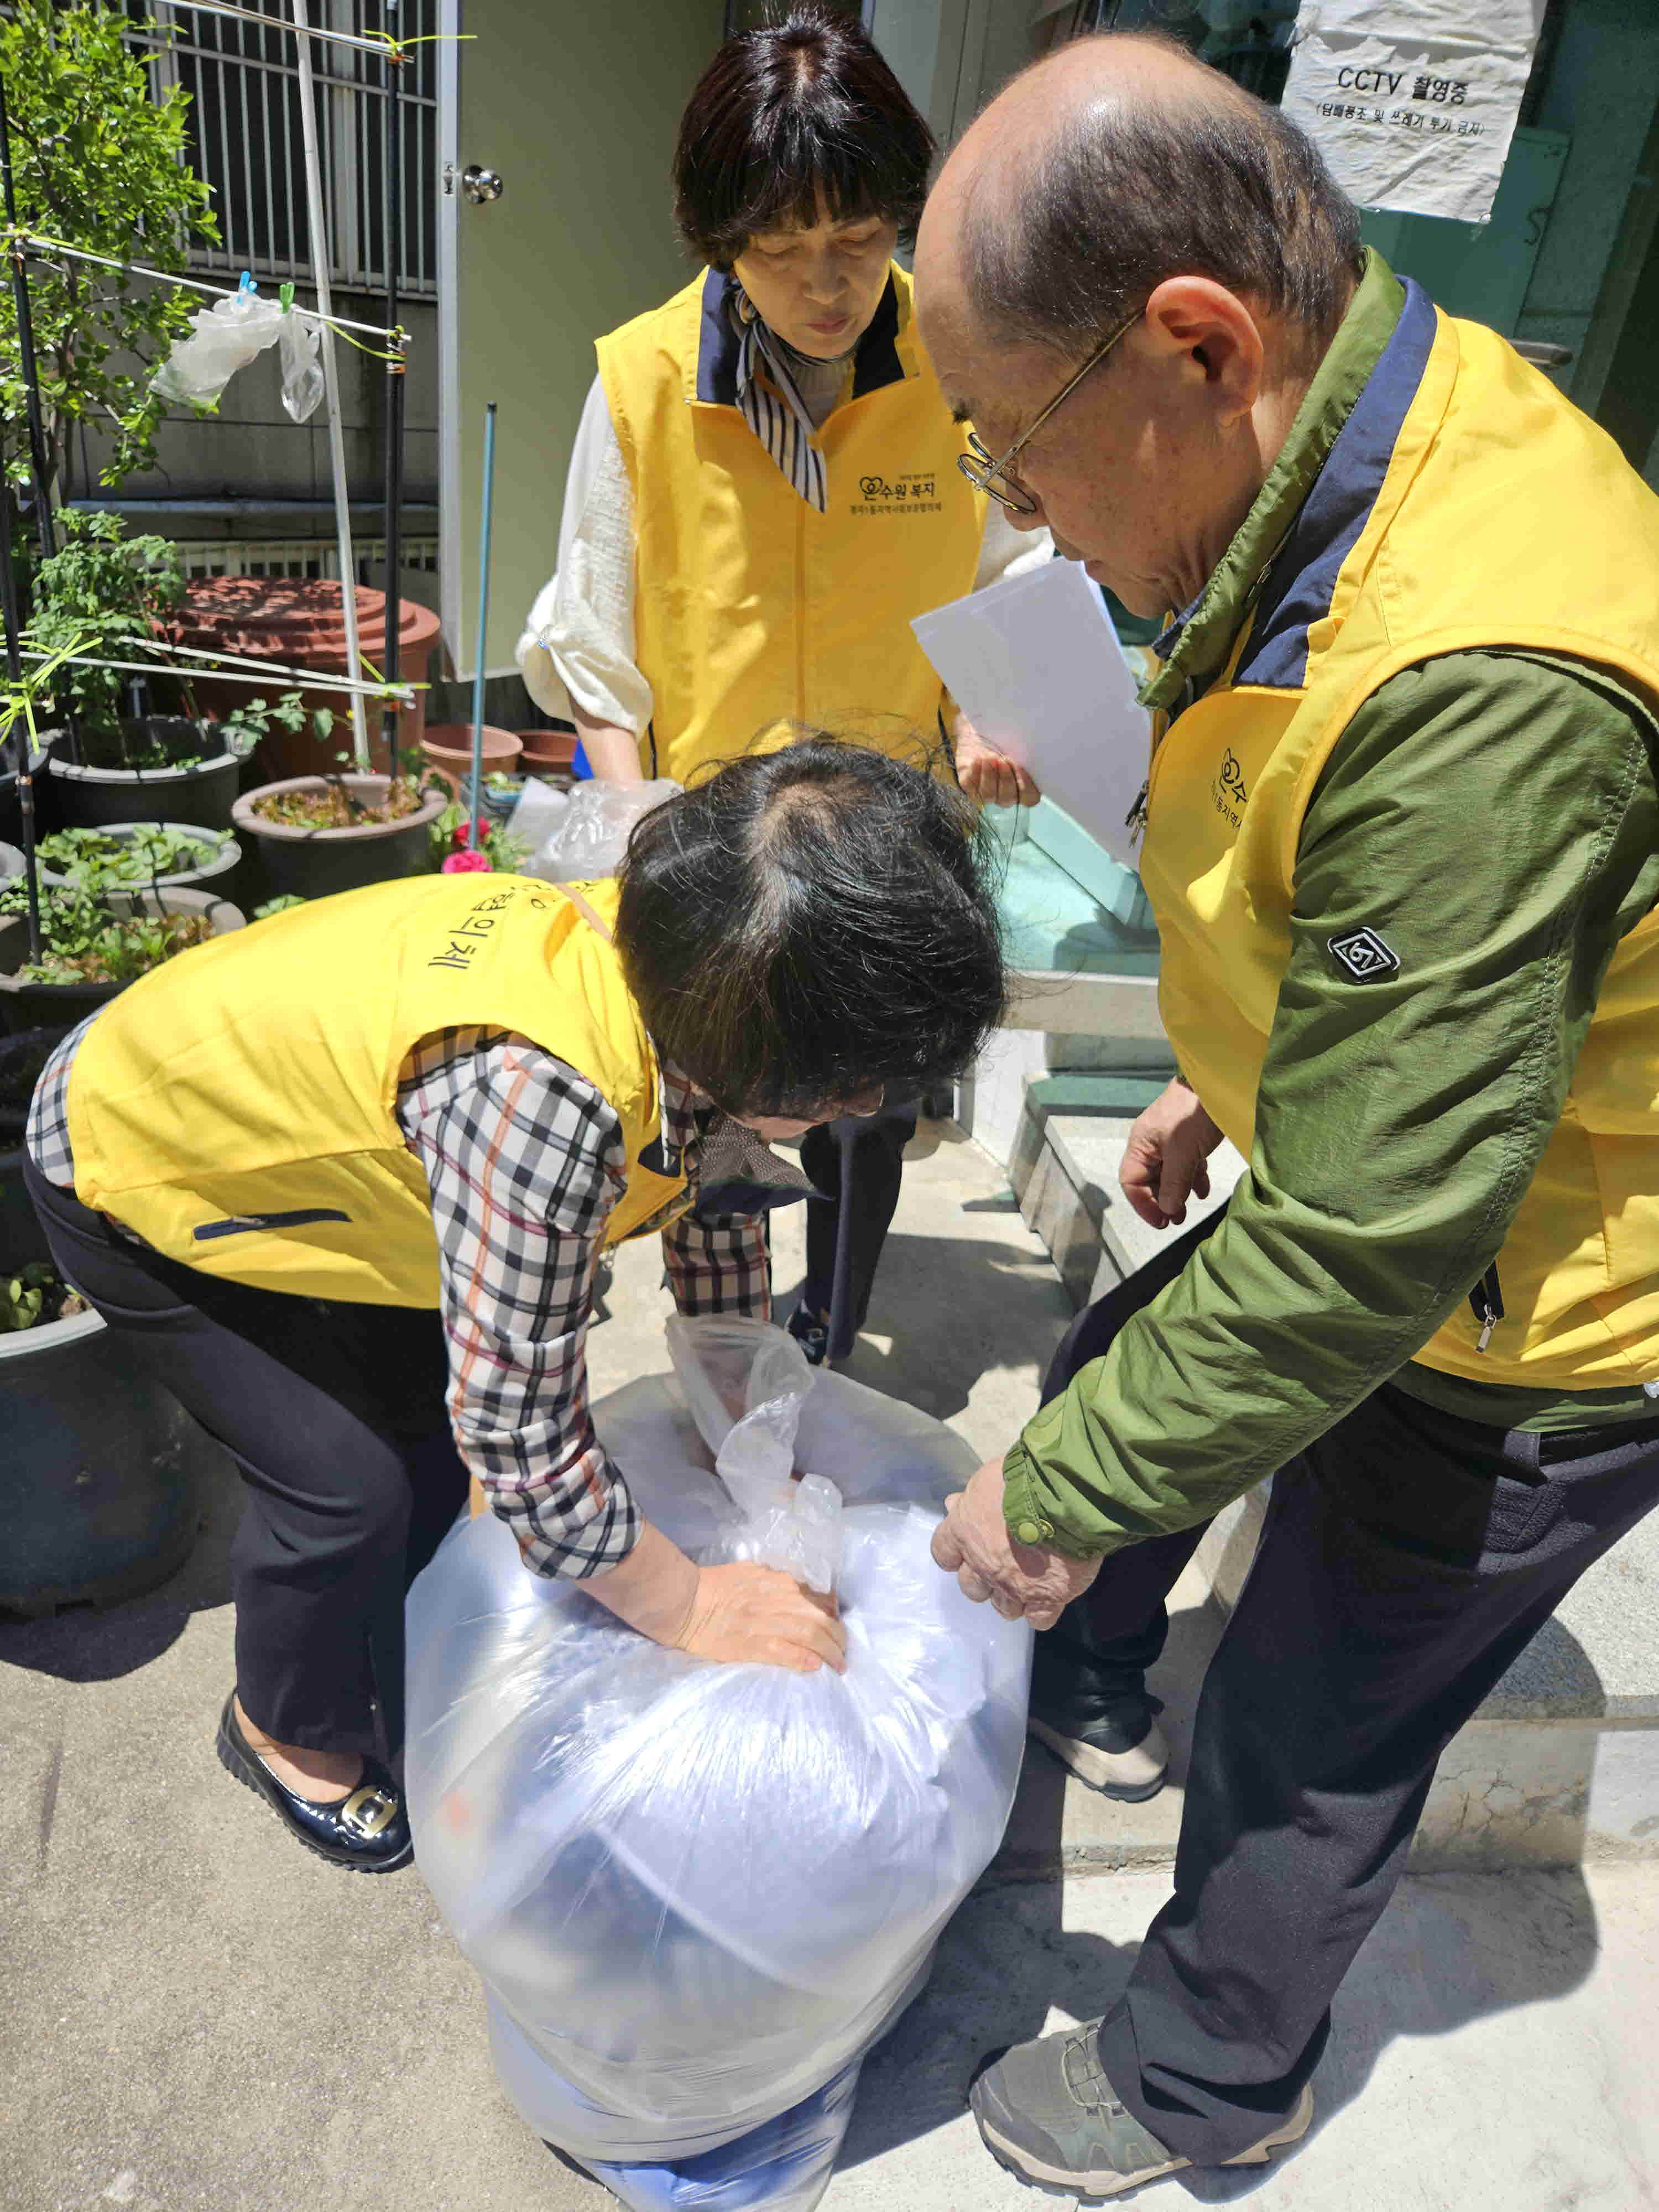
231 333
697 1894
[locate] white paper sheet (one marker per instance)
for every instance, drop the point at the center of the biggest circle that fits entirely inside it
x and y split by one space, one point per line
1414 102
1036 666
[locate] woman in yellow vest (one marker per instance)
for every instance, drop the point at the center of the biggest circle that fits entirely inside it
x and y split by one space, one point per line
313 1171
764 492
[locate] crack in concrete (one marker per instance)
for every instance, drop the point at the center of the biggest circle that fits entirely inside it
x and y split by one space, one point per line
49 1807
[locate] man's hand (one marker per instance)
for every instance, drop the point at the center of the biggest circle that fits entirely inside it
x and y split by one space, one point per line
1163 1163
988 775
973 1543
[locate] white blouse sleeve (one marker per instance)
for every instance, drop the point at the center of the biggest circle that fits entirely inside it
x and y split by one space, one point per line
1006 551
578 645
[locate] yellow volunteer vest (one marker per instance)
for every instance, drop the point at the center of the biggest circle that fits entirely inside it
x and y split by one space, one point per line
1469 505
235 1106
751 608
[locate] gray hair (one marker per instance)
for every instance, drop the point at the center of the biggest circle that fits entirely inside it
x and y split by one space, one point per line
1121 198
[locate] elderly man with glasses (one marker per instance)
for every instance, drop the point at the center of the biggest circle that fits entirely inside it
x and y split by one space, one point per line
1401 836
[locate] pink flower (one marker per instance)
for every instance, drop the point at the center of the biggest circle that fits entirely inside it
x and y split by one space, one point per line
466 864
461 836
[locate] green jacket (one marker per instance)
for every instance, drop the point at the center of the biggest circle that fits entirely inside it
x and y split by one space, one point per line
1317 1279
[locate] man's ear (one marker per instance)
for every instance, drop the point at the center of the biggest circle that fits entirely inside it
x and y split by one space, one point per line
1209 338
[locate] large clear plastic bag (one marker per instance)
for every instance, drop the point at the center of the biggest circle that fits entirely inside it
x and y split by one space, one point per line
589 833
698 1893
229 334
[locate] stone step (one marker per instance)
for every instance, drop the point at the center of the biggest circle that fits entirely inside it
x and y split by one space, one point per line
1561 1763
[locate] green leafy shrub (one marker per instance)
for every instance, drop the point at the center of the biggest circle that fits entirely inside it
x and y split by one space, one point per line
99 164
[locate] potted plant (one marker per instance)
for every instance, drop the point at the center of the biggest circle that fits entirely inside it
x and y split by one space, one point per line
138 748
129 855
319 834
94 942
101 1470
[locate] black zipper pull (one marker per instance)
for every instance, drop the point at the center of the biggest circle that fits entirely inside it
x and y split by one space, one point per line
1135 820
1487 1300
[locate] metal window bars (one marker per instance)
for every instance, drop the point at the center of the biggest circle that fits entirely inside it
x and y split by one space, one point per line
244 132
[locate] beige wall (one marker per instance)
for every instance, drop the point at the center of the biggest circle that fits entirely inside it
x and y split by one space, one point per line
576 103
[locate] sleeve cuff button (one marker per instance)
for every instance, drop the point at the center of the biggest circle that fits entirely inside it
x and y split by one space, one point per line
1030 1531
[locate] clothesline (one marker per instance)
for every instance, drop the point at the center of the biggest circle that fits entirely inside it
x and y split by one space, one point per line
395 334
254 661
297 680
381 44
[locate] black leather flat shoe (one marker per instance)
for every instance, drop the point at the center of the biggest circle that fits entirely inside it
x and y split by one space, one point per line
367 1831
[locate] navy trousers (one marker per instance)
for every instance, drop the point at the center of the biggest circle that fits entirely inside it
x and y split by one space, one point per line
1408 1557
334 1413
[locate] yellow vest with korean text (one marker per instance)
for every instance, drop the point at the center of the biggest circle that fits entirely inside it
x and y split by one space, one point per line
751 608
235 1107
1466 504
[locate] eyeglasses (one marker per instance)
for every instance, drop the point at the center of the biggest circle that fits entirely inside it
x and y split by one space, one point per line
982 469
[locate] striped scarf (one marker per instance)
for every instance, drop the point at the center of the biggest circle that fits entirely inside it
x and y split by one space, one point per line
782 424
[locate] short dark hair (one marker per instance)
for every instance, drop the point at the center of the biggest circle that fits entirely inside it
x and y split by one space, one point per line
1122 197
810 923
804 109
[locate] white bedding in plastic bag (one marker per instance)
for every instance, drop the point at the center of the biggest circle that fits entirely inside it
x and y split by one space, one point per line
696 1893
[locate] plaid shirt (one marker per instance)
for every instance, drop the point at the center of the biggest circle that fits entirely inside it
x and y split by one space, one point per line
525 1159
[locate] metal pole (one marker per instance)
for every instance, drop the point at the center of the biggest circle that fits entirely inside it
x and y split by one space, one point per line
394 388
14 676
474 837
20 301
321 257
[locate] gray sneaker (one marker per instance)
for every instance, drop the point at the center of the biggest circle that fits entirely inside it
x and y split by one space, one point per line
1047 2112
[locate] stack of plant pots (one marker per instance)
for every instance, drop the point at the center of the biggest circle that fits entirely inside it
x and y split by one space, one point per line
299 622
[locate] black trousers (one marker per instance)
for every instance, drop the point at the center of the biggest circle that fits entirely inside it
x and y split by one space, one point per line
1408 1557
856 1162
335 1414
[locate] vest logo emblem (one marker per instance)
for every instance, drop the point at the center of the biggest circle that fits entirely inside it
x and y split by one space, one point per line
914 493
1228 792
1364 956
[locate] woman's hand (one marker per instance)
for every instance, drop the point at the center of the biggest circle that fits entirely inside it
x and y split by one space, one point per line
736 1612
988 775
1163 1162
746 1612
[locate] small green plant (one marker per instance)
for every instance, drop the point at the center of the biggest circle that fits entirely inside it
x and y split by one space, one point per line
244 726
34 1296
122 590
82 942
279 905
143 855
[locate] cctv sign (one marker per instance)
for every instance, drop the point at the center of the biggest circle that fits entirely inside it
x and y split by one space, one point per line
1414 102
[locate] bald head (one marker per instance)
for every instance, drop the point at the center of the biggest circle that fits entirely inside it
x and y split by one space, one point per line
1121 160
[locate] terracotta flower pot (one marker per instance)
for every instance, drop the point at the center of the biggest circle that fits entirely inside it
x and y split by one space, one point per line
448 749
548 749
299 622
307 863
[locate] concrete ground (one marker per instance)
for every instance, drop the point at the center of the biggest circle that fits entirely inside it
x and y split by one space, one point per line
199 2017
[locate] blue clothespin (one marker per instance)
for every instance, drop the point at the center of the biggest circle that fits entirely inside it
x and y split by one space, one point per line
247 283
